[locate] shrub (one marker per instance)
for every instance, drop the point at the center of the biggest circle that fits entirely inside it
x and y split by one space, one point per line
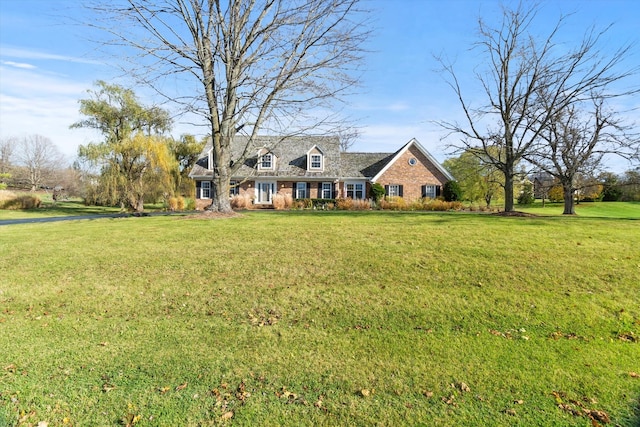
21 202
427 204
526 196
362 204
344 204
376 192
288 201
451 191
393 204
240 202
279 202
190 204
7 195
611 193
556 194
173 203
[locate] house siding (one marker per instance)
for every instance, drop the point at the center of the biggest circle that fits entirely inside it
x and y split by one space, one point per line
412 178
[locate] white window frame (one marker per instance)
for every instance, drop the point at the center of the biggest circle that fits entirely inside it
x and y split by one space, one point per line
316 161
266 162
430 191
301 190
326 190
357 187
205 189
394 190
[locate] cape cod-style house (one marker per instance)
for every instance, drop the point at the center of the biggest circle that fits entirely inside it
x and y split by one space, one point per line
314 167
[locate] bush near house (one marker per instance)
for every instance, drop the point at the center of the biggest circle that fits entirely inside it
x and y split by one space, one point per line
451 191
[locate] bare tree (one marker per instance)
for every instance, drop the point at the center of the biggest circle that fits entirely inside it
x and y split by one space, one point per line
7 146
574 142
38 159
250 66
520 69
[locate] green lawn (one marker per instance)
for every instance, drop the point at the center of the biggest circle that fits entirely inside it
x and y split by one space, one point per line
588 209
321 318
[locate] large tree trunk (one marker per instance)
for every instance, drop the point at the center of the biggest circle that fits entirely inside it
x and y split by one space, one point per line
567 189
220 198
221 176
508 184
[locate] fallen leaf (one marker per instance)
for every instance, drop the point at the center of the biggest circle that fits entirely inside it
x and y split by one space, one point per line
569 409
163 390
510 411
427 393
634 375
464 387
26 416
43 424
364 392
600 416
518 402
227 415
450 400
104 344
181 387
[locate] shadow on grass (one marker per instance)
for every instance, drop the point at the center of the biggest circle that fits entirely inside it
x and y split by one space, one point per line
68 208
76 207
635 420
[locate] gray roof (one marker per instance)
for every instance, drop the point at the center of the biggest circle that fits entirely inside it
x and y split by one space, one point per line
291 154
363 165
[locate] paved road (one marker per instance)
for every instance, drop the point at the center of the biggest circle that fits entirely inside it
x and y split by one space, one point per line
78 217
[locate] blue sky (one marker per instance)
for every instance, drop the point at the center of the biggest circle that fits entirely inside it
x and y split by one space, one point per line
47 65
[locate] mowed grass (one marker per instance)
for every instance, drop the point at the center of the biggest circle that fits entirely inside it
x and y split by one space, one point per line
587 209
310 318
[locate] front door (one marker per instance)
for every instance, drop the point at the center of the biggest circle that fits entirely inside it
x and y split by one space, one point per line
264 192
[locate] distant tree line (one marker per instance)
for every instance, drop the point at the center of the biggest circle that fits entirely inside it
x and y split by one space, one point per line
479 182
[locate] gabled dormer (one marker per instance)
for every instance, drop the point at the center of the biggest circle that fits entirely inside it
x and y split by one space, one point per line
266 160
315 159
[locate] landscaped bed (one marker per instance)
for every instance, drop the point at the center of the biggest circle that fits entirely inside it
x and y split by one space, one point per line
321 318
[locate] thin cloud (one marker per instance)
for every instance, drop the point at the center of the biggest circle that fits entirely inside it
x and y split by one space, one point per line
22 65
38 55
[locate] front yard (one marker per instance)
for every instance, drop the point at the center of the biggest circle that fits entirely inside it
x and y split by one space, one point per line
321 318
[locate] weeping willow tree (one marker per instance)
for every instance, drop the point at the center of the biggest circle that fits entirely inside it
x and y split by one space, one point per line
135 154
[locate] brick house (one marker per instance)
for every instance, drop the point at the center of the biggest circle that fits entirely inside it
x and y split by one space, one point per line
315 168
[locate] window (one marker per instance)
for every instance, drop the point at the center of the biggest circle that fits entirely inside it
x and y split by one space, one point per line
327 190
413 161
301 190
205 190
355 190
234 189
266 161
316 161
429 191
393 190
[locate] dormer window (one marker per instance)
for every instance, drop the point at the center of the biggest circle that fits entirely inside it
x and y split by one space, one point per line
315 160
266 161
